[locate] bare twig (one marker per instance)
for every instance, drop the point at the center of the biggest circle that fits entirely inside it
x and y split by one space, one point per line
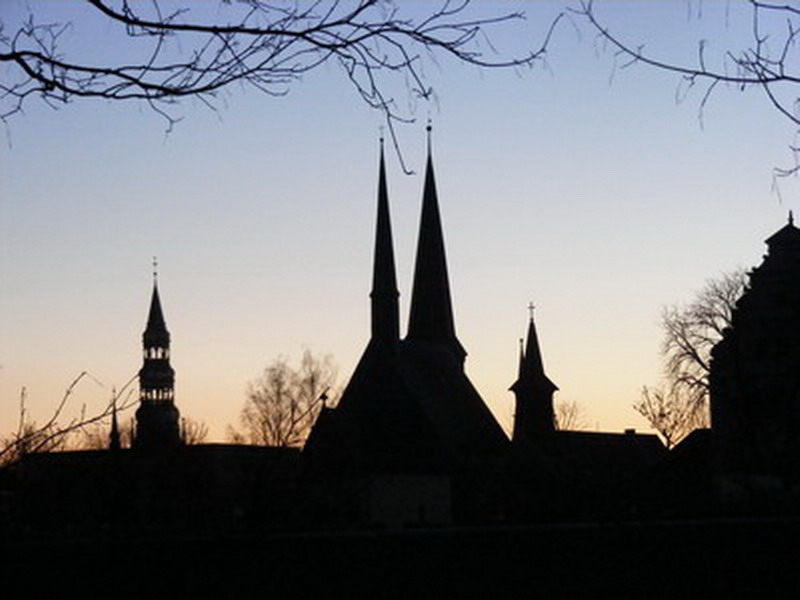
690 333
31 438
769 62
255 44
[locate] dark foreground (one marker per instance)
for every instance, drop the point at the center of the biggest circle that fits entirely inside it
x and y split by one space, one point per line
742 558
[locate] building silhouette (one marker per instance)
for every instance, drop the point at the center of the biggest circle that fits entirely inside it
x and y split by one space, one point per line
411 443
409 486
755 377
409 412
534 419
157 418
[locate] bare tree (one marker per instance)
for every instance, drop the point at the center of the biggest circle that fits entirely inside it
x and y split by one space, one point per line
672 414
193 432
569 416
185 49
769 60
690 332
93 437
56 434
283 402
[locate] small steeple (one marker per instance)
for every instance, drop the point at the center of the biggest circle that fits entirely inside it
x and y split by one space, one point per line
533 417
384 294
534 367
431 316
114 438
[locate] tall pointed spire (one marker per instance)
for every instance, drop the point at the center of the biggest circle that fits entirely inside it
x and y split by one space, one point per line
384 295
156 417
431 317
533 365
533 417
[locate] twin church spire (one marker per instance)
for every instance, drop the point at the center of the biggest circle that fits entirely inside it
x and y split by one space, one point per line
384 295
431 317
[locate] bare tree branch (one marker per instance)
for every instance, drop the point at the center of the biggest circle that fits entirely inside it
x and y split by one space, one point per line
690 333
672 414
769 61
194 52
283 402
53 435
569 416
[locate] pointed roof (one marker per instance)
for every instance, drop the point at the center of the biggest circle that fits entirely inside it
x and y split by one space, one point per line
384 295
114 438
531 366
155 334
431 317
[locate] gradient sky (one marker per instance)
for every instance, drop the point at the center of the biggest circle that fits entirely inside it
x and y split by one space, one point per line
600 198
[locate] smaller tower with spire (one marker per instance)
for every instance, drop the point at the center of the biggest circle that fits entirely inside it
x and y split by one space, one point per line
157 418
534 420
114 442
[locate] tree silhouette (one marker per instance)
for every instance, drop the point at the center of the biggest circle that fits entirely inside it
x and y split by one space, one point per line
690 332
283 403
55 433
569 416
769 60
184 50
193 432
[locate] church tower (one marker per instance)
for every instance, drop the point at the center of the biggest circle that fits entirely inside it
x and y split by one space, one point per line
157 418
534 421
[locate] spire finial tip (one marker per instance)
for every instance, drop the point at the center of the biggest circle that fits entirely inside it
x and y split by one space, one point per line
428 129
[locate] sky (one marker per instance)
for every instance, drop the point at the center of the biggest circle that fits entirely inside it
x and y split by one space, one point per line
596 193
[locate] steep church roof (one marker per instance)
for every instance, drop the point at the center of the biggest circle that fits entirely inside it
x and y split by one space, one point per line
409 407
431 316
531 367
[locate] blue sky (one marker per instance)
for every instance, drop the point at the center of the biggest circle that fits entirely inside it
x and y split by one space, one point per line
598 198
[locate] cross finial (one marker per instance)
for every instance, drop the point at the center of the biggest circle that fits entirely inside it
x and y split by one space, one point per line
530 310
428 129
791 218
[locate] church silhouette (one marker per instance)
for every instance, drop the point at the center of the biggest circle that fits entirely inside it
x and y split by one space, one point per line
411 445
